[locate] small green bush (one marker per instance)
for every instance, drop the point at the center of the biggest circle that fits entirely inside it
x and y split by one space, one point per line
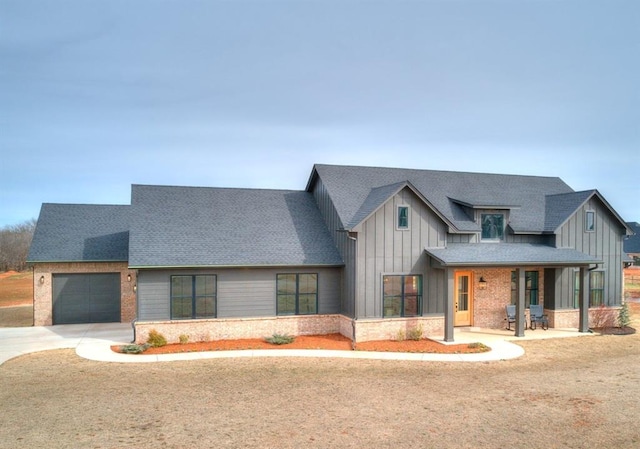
134 349
156 339
280 339
480 346
184 339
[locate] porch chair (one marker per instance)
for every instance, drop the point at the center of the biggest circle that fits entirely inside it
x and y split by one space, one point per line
536 315
511 315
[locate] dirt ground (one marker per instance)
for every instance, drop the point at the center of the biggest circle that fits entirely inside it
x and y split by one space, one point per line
563 393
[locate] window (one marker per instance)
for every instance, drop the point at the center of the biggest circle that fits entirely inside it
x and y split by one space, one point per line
193 297
596 288
297 294
590 221
403 217
530 289
402 296
492 226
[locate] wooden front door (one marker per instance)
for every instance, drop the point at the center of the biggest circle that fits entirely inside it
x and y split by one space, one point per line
463 298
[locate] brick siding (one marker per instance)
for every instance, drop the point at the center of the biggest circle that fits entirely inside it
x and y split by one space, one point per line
43 292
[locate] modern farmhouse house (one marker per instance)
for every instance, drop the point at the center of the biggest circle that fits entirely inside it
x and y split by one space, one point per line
363 251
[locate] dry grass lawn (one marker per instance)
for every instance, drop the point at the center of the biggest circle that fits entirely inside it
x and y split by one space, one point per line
564 393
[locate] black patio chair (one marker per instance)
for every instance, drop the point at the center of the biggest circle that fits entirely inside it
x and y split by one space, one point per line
511 315
537 315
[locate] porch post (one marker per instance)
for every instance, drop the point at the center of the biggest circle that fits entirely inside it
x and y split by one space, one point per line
448 304
520 289
583 294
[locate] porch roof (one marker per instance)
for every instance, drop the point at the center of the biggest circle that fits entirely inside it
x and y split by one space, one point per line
509 254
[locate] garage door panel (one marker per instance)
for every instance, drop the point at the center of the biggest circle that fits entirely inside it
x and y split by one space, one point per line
86 298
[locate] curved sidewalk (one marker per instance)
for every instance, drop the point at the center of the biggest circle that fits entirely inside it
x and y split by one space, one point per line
94 341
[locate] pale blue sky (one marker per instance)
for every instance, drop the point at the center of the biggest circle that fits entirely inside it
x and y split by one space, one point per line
97 95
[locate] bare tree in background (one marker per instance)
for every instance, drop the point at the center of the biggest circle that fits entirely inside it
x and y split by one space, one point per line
14 245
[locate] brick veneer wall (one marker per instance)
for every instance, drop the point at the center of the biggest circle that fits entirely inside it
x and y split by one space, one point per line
43 292
489 303
235 328
391 328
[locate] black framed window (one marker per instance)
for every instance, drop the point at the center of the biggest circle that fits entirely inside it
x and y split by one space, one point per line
402 295
596 288
297 294
193 296
590 221
531 293
403 217
492 226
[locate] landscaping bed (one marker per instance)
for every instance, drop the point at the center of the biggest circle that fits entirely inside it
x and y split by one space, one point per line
329 342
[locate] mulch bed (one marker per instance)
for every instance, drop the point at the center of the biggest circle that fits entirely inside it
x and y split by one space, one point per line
615 330
330 341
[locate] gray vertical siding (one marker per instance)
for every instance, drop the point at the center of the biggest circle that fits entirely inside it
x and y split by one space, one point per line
382 249
605 243
242 292
346 246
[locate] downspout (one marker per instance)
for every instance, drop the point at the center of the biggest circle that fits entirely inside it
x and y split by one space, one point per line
355 301
133 323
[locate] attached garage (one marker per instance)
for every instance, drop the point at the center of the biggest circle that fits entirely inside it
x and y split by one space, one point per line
86 298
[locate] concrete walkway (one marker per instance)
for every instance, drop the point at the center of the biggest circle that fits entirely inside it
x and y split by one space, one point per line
93 342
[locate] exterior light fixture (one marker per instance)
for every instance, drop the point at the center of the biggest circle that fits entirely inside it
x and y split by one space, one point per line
129 278
482 283
135 287
41 279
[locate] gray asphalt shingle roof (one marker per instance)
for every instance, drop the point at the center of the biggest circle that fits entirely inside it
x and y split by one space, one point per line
81 233
350 187
508 254
632 242
204 226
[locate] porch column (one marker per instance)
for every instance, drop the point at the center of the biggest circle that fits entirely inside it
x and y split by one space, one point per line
448 304
520 290
583 294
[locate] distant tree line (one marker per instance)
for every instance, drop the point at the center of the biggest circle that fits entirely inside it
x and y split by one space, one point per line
14 245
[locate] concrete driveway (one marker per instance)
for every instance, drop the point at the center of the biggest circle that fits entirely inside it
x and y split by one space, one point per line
16 341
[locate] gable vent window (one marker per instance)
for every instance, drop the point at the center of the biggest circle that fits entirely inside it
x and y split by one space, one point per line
492 226
590 221
403 217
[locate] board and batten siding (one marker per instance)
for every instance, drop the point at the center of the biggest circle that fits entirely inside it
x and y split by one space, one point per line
345 245
605 243
241 292
383 249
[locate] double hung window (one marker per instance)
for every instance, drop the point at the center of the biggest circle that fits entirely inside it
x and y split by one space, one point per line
297 294
402 295
531 294
193 296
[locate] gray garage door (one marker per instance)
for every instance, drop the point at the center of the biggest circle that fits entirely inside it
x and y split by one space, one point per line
86 298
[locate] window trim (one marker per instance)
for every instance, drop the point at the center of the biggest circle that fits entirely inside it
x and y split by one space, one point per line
528 291
420 295
400 207
589 225
500 238
297 295
194 297
600 289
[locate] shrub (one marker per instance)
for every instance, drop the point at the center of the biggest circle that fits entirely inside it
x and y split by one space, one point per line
156 339
602 318
280 339
623 316
400 335
134 349
184 339
415 333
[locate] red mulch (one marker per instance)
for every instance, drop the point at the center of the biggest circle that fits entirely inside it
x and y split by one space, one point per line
331 341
